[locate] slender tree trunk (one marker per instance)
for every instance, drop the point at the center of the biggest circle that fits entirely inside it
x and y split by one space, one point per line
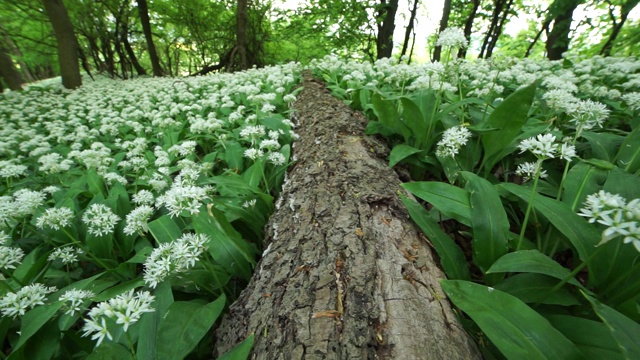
468 27
617 26
346 274
143 12
8 70
558 40
444 22
384 39
545 27
495 18
132 57
241 35
13 49
409 30
498 30
67 43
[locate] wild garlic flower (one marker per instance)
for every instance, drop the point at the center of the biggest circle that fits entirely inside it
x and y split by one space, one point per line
75 298
528 170
632 99
253 154
10 170
10 257
137 220
276 158
174 257
6 211
619 217
4 237
100 219
144 197
452 140
124 309
588 114
18 303
270 144
26 202
544 147
181 198
67 254
55 218
453 37
251 133
185 148
53 163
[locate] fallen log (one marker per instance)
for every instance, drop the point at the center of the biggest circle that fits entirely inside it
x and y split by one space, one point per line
346 274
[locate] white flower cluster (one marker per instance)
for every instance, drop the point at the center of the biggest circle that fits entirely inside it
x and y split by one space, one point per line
55 218
76 299
67 254
18 303
544 147
100 219
11 170
137 220
452 140
621 218
124 309
10 257
453 37
529 169
182 197
587 114
173 257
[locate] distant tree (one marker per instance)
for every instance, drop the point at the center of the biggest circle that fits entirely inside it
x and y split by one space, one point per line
410 29
499 17
558 39
625 8
143 12
444 22
8 71
67 43
386 26
468 26
241 35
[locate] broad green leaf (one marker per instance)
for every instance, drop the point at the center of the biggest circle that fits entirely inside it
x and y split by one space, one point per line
118 289
451 257
531 261
450 200
234 155
385 111
628 158
533 288
509 117
580 233
164 229
488 221
184 325
400 152
604 146
110 351
376 127
416 121
31 266
34 319
226 245
254 173
516 329
582 180
240 351
44 344
94 182
150 322
591 337
622 183
625 332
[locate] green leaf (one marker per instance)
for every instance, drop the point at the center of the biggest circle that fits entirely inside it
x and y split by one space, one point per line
622 183
34 319
604 146
254 173
416 122
118 289
624 331
591 337
401 152
509 117
226 247
629 156
531 261
533 288
516 329
385 111
450 200
376 127
110 351
234 155
488 221
150 322
240 351
582 180
164 229
184 325
451 256
94 182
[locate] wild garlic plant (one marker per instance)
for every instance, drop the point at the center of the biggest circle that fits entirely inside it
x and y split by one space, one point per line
121 194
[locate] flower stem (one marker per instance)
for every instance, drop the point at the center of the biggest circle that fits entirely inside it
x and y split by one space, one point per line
529 206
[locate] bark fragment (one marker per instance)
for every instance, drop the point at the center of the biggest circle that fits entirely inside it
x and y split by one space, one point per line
346 274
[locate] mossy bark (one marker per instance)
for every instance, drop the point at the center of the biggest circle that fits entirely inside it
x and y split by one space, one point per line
346 274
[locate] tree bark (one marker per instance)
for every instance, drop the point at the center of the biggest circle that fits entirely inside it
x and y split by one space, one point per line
444 22
384 40
626 8
8 70
13 49
558 39
143 12
495 18
241 35
468 27
67 43
498 29
346 274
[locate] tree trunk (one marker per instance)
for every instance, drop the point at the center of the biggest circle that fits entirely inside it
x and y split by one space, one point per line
8 70
346 274
468 27
495 18
241 36
617 26
558 39
444 22
143 12
409 30
132 56
384 40
67 43
13 49
498 29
